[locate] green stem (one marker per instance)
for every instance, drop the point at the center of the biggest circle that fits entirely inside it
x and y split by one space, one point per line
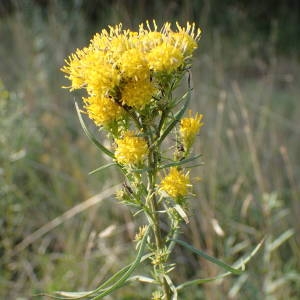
159 241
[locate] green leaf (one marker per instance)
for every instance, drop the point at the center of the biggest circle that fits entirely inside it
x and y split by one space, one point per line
201 281
176 119
239 264
102 168
117 280
90 135
130 270
180 162
178 100
210 258
143 279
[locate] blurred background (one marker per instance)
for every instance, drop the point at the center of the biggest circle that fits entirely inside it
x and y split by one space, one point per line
57 229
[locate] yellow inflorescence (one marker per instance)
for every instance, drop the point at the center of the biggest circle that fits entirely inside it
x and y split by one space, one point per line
122 65
137 93
133 64
165 58
176 183
131 149
189 128
103 110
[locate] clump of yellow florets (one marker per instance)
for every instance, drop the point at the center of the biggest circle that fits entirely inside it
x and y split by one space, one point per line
189 128
131 149
176 183
103 110
165 58
122 65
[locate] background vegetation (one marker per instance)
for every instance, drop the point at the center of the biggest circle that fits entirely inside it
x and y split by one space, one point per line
57 229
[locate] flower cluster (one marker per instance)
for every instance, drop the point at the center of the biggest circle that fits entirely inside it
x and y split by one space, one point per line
176 183
131 149
125 73
189 128
119 68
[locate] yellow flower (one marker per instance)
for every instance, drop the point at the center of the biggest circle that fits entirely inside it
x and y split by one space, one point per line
165 58
75 70
114 40
131 149
184 42
101 75
186 38
91 69
151 39
132 64
100 42
176 183
123 64
189 128
137 94
102 110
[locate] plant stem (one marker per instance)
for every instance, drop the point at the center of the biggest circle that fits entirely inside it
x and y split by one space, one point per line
159 241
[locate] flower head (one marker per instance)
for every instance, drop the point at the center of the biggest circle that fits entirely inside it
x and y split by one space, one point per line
176 183
132 64
189 128
74 69
100 75
127 65
149 40
131 149
165 58
185 38
138 93
103 110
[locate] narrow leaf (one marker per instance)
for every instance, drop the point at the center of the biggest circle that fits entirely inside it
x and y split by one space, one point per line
210 258
238 264
142 278
73 295
117 280
102 168
126 275
176 119
90 135
201 281
180 162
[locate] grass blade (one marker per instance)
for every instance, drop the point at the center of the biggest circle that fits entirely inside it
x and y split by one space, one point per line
281 239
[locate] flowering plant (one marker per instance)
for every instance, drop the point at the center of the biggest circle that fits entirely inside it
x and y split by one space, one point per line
130 78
